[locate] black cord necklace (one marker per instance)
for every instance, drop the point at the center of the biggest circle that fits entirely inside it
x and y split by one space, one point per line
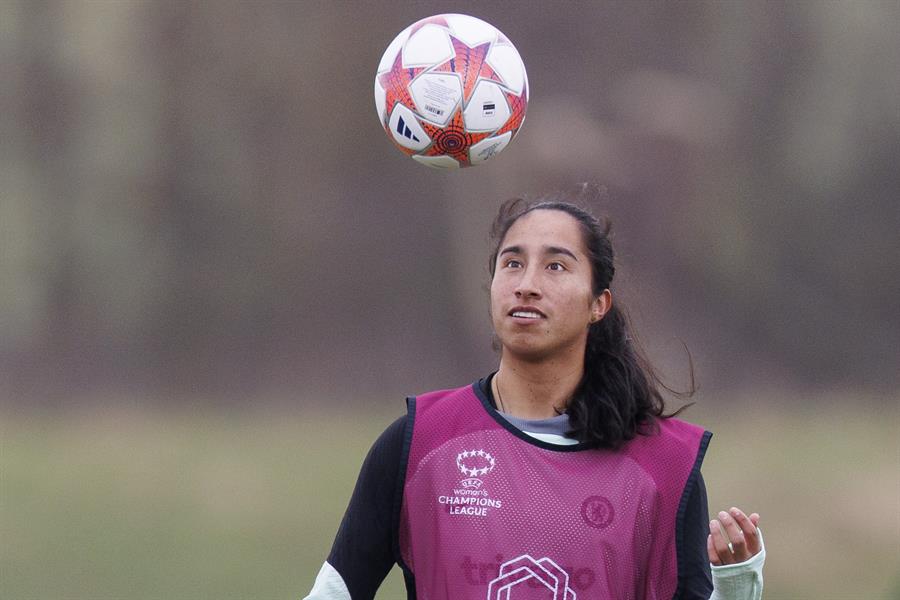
499 395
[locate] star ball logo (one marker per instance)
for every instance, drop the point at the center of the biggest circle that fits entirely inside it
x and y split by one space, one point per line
475 463
524 571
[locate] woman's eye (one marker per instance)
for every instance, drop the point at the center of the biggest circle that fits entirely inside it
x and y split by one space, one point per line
513 264
555 266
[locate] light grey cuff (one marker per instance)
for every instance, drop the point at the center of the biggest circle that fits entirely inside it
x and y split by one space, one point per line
329 585
740 581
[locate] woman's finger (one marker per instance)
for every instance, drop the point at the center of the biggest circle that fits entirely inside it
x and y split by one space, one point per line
749 528
738 541
711 551
720 543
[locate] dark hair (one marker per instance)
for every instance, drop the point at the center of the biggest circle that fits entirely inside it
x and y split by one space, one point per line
619 394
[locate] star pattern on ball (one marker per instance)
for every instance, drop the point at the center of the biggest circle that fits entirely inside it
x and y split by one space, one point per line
470 62
517 106
452 139
396 85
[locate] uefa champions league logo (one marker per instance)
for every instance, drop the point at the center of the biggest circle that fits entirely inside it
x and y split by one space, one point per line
526 571
469 498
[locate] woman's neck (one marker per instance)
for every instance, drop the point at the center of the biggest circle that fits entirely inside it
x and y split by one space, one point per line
535 390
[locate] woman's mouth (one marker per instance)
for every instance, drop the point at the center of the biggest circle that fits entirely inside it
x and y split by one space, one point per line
526 313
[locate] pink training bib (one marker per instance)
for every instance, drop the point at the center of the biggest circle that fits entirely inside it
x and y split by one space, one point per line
489 515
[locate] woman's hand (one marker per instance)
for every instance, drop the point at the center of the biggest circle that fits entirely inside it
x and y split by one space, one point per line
733 538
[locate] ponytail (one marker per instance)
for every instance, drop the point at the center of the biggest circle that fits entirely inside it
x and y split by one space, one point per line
619 394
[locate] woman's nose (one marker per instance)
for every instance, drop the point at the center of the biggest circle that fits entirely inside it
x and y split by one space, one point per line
528 286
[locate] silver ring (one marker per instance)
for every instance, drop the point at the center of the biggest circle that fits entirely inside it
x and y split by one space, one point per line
731 547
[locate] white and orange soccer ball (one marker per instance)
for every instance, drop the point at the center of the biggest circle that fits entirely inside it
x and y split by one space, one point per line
451 91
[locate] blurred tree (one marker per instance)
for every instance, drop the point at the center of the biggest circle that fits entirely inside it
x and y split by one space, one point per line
196 196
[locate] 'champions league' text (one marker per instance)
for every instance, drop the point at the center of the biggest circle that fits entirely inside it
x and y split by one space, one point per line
469 502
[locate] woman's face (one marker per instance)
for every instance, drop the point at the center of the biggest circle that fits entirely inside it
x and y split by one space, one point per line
542 301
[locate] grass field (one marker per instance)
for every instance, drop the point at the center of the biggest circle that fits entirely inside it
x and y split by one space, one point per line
125 504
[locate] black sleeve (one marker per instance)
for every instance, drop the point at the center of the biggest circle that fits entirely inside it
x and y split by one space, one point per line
362 551
696 579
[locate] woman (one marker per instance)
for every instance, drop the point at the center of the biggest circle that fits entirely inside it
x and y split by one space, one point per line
559 475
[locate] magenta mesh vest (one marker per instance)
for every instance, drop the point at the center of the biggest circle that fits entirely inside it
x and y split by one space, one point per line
489 513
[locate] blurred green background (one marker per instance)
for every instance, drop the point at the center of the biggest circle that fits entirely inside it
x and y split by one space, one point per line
218 278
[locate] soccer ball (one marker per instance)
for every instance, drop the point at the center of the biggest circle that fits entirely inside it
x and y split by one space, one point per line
451 91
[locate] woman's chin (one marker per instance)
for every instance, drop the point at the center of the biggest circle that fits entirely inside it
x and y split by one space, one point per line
527 352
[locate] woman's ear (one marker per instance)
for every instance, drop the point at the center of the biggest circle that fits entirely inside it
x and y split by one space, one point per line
601 305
